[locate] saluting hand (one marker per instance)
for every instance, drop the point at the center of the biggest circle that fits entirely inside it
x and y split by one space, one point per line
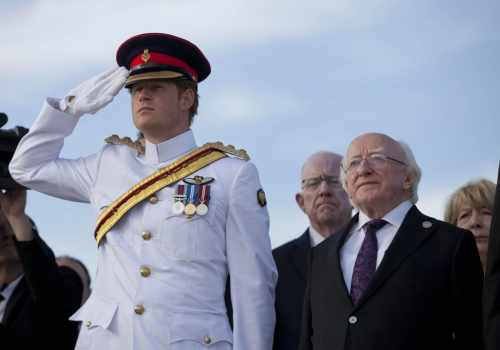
95 93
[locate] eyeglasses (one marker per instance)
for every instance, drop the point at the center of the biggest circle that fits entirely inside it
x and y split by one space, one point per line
375 161
313 182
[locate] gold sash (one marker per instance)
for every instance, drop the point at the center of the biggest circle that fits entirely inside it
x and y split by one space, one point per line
184 166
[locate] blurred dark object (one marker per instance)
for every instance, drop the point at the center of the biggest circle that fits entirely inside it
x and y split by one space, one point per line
3 119
9 138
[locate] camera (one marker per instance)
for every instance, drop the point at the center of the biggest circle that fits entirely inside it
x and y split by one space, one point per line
9 138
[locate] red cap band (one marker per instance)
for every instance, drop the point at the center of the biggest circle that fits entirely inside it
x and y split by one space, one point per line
160 58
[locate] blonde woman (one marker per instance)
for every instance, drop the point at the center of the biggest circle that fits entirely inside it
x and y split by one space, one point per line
471 207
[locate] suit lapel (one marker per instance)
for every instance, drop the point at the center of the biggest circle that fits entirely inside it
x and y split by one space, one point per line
414 230
334 261
300 254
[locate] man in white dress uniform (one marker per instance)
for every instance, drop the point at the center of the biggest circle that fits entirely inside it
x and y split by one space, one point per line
174 219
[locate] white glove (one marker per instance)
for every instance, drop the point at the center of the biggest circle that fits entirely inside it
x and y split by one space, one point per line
95 93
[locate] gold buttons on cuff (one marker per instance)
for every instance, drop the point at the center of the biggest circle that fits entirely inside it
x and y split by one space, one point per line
139 309
153 199
145 271
88 324
207 340
146 235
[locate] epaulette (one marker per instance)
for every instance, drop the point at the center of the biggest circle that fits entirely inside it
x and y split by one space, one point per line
229 149
137 145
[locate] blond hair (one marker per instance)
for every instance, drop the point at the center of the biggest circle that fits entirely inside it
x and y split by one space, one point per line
477 194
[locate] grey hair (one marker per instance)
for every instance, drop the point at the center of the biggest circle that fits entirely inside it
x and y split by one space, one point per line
411 163
413 168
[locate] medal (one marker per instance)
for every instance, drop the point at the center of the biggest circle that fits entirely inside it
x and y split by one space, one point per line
202 208
195 201
190 209
179 198
178 208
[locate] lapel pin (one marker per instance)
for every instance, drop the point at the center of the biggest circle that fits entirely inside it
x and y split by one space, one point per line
426 224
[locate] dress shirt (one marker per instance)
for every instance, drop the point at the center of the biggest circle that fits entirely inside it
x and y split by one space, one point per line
352 245
315 236
6 293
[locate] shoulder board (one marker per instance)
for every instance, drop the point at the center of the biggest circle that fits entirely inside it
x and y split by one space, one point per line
229 149
127 141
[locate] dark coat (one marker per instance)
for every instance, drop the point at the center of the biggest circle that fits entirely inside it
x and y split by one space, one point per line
492 279
426 293
291 260
36 315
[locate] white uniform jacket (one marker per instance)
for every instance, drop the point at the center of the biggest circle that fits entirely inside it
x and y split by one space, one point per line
161 277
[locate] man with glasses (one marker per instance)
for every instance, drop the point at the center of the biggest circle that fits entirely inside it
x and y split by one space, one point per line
394 278
327 207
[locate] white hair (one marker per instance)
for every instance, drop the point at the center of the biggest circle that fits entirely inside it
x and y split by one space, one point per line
411 164
413 168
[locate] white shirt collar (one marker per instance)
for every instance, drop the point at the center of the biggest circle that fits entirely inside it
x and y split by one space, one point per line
7 292
315 237
395 217
170 149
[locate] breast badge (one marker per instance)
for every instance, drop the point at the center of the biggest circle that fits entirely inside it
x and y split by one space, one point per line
192 197
261 198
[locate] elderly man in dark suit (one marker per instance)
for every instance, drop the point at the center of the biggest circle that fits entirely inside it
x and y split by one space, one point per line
396 278
37 297
327 207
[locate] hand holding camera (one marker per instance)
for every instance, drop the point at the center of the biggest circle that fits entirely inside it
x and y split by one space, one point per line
9 138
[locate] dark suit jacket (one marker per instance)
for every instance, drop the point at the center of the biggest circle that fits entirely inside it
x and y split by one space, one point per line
291 260
425 294
36 315
492 279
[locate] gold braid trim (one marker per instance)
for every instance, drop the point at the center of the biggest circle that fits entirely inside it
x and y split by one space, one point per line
138 144
184 166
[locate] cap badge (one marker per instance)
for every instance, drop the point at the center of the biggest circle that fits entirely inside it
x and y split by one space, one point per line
146 56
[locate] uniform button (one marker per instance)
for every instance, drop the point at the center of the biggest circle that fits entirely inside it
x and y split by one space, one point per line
139 309
145 271
153 199
353 319
88 324
146 235
207 340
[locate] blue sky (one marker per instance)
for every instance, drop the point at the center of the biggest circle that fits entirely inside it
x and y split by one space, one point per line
289 78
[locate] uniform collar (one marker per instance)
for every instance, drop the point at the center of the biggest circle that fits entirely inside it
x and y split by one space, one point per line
170 149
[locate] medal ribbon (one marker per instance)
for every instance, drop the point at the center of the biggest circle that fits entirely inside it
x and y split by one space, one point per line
205 194
189 189
180 194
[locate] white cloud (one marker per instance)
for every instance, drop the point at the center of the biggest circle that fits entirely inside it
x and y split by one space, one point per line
247 105
51 35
